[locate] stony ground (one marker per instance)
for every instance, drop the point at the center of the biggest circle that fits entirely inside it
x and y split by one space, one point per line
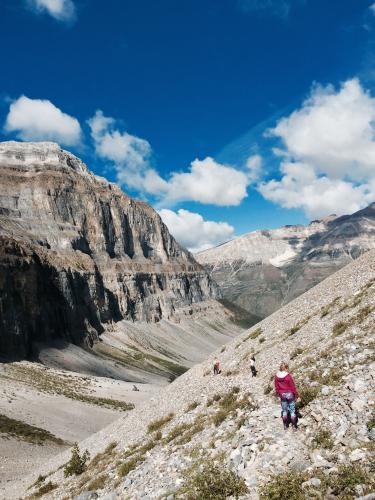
165 448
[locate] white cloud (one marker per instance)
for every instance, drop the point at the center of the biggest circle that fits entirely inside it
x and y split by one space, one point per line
40 120
372 8
130 154
300 187
207 181
193 232
62 10
329 155
254 164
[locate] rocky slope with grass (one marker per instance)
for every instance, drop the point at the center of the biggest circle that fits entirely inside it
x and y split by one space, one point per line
77 254
222 435
263 270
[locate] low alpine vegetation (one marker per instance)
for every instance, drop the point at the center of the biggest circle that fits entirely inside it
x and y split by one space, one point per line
323 439
77 462
212 482
129 465
306 396
339 328
192 406
158 424
46 488
26 432
296 352
98 483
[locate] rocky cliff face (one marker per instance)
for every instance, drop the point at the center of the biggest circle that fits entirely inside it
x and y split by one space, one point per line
76 253
263 270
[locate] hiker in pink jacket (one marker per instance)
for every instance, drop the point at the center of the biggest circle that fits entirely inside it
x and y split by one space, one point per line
287 392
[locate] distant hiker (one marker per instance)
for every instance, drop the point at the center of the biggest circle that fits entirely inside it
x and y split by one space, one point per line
287 392
217 368
252 366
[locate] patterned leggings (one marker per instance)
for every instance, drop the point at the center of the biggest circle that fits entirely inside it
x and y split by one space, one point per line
288 405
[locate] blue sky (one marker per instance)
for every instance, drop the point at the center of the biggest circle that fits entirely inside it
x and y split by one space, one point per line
227 116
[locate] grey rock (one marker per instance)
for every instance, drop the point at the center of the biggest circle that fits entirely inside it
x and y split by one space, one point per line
357 455
314 481
325 390
87 495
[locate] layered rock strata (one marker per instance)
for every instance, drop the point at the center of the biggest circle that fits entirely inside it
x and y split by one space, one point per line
263 270
77 253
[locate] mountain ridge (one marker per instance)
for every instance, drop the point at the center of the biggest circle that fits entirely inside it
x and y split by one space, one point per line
279 264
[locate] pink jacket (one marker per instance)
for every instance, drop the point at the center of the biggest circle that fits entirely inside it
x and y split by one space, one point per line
285 383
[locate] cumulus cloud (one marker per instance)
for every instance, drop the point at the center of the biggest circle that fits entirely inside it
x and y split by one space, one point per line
328 152
61 10
193 232
300 187
206 181
41 120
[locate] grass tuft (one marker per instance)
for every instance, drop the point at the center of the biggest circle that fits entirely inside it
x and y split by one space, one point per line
159 423
323 439
213 482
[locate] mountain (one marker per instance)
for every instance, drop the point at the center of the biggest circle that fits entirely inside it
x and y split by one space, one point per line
222 435
263 270
78 255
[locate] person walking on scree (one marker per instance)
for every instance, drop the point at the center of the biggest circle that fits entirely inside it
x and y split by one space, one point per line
287 392
217 367
252 367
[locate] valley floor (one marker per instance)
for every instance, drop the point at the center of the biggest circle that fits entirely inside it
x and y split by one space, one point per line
44 410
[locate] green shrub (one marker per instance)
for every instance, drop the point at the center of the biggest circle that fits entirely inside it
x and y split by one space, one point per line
158 424
323 439
213 482
306 395
343 482
287 486
261 340
77 462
